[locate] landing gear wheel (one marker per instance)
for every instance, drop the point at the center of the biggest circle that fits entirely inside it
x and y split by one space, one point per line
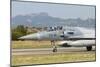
55 50
89 48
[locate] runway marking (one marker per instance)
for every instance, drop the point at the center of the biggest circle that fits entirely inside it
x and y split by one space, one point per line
46 51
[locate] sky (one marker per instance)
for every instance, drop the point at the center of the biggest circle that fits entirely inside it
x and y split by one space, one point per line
55 10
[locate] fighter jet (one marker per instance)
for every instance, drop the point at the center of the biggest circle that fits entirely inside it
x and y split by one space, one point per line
69 36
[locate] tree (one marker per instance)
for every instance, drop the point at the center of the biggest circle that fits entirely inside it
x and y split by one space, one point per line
19 31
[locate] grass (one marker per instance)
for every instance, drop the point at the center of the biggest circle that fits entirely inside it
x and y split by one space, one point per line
46 59
30 44
52 58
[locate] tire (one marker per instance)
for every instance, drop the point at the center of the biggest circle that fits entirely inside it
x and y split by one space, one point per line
89 48
55 50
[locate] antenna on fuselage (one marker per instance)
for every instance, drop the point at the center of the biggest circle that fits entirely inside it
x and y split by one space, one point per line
56 28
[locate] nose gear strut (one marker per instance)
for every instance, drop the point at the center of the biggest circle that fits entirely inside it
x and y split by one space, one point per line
54 46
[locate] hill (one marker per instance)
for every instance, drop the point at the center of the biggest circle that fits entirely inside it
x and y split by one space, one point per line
45 20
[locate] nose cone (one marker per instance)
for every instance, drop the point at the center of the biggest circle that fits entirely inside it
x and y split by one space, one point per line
30 37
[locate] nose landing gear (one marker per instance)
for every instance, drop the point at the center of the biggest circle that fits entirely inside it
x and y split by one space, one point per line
54 46
55 49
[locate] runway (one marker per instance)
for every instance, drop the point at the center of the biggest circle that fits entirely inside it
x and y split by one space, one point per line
42 51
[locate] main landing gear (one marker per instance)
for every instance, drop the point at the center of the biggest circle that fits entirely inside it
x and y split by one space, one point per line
54 46
89 48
